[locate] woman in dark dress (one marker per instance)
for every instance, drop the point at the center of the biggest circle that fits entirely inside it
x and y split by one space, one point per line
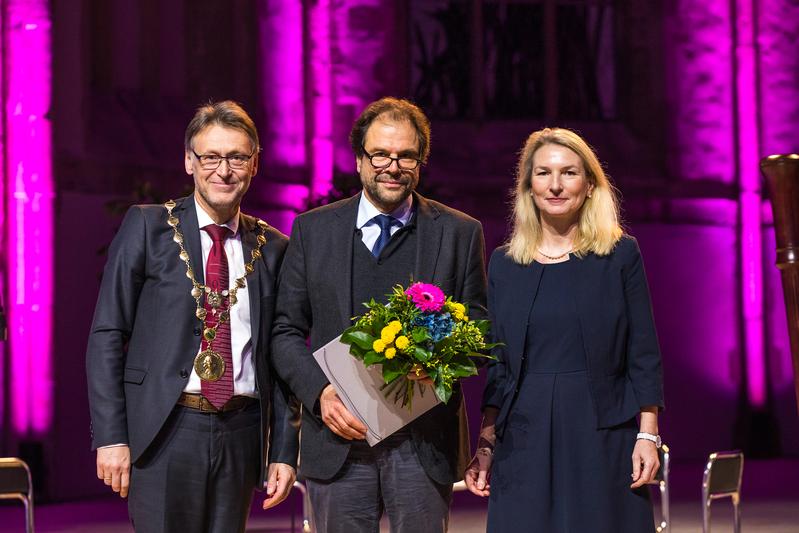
570 411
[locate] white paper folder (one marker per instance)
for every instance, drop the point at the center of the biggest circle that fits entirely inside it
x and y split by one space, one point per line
359 390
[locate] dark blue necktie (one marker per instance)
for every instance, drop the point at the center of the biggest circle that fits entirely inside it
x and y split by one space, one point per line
385 222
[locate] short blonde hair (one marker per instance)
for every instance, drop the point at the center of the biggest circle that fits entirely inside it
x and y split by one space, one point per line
598 228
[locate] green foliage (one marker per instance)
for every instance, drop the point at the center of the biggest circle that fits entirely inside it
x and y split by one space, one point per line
395 336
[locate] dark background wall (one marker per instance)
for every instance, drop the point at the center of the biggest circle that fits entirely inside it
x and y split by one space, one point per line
650 84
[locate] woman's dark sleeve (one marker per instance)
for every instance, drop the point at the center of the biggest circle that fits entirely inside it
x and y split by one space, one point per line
643 352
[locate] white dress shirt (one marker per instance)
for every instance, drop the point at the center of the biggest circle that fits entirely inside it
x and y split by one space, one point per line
240 341
240 332
370 230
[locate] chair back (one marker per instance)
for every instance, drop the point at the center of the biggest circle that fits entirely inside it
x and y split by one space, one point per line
722 479
14 476
723 474
15 483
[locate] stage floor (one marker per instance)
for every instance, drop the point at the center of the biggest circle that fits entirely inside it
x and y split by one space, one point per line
770 499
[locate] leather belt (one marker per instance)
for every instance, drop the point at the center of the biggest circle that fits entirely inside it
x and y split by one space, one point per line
199 402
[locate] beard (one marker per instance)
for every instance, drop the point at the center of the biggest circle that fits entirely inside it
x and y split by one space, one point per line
384 199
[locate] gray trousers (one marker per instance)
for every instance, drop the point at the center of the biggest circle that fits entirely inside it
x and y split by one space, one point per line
386 477
199 474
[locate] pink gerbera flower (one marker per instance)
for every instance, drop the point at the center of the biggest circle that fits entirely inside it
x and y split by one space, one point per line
426 297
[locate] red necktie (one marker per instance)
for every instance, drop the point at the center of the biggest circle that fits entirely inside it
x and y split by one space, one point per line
216 278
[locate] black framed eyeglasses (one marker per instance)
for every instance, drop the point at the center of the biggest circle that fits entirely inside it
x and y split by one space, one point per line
234 161
380 161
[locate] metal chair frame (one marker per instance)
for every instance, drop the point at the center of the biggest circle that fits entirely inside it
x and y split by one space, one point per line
662 481
27 496
709 494
307 519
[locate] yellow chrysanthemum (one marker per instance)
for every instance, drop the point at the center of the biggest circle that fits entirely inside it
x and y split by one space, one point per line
387 335
390 353
378 346
402 342
395 325
457 308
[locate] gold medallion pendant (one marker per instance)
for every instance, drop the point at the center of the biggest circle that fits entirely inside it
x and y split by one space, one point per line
209 365
214 299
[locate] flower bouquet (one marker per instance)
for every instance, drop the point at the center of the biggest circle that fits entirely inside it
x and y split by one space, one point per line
419 330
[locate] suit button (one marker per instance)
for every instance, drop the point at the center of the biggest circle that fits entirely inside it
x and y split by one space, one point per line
183 373
197 331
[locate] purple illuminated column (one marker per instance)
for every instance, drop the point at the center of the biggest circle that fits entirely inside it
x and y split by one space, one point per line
370 52
748 155
285 154
778 43
319 96
280 29
715 138
30 191
700 72
3 221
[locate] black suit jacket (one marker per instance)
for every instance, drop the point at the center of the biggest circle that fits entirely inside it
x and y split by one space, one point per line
315 299
615 320
145 336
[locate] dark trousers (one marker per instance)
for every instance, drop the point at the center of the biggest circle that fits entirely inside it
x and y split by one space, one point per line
199 474
386 477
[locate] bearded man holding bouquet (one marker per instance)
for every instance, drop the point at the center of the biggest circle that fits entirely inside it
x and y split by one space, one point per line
350 252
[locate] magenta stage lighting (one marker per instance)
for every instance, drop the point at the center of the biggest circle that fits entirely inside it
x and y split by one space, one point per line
30 192
750 199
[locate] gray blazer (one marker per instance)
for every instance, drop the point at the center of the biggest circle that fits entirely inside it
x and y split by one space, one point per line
145 336
315 300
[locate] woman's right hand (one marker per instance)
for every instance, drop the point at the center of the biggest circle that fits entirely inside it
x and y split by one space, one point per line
478 473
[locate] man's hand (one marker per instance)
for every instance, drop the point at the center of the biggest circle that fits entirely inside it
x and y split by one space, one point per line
113 467
279 481
645 463
336 416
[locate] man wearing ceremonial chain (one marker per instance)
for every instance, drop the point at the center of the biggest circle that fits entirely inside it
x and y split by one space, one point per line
188 416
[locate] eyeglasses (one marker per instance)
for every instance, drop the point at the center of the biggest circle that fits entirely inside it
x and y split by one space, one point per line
380 161
212 161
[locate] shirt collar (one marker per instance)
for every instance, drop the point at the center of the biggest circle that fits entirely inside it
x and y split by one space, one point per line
204 219
367 211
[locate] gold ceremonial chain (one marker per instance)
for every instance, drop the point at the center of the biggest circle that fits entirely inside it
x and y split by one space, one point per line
209 364
556 257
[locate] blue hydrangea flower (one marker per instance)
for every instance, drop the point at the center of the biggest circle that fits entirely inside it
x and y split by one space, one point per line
439 325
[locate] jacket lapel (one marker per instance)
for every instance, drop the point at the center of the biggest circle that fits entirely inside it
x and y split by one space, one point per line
249 241
580 273
189 227
529 279
344 228
428 244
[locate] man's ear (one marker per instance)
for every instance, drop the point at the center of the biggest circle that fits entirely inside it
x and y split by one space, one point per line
358 164
187 163
254 167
